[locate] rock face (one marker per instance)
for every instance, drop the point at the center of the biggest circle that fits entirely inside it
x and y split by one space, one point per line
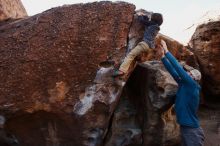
48 66
11 9
143 116
206 45
56 87
158 91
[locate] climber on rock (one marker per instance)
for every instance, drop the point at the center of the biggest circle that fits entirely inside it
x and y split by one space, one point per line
187 97
152 27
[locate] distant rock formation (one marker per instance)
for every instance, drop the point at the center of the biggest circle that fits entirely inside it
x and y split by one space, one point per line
11 9
205 43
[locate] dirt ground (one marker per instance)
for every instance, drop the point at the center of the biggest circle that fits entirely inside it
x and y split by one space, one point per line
210 122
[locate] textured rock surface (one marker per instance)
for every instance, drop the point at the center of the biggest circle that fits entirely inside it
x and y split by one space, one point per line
206 45
11 9
48 66
55 78
125 128
158 90
144 115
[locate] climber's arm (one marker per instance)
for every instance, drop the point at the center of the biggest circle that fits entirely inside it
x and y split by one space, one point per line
179 69
167 64
171 69
182 73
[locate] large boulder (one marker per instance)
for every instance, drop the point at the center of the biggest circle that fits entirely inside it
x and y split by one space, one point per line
49 90
158 95
205 43
11 9
56 86
144 114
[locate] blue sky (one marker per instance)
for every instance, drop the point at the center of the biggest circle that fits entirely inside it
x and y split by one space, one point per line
178 14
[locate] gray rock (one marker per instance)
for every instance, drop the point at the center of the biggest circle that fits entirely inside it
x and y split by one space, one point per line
144 115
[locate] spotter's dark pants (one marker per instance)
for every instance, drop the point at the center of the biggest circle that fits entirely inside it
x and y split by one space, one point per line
192 136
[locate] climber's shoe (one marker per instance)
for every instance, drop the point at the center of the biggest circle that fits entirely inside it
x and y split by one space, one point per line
117 73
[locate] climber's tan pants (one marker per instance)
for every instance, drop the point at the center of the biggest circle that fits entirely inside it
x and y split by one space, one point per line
142 47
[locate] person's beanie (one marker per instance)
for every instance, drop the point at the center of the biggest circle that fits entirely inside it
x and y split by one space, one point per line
196 74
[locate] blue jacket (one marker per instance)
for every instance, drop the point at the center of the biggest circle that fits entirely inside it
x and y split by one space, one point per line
151 30
187 97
